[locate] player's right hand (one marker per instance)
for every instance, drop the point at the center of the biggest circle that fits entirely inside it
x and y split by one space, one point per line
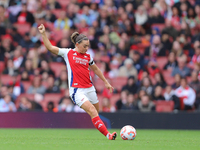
41 28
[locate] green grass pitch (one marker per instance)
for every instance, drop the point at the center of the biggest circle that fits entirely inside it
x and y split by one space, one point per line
91 139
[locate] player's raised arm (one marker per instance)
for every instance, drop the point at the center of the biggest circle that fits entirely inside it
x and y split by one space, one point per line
48 45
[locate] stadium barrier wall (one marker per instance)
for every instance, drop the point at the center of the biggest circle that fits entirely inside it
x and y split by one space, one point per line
114 120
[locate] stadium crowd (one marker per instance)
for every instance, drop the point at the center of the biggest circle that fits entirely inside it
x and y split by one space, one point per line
148 49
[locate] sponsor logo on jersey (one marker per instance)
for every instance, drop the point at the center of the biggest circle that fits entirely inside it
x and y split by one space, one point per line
75 83
74 54
80 60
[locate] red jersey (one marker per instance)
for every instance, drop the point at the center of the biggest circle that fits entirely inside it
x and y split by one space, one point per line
78 67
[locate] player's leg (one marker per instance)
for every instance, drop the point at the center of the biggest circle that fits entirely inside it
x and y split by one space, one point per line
97 106
92 96
98 123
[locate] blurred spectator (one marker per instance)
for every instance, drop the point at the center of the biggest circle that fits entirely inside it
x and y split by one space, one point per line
165 39
6 48
4 91
159 80
131 103
106 106
157 94
141 16
53 4
26 41
45 69
169 29
155 16
181 69
51 87
170 95
195 84
186 95
178 4
63 23
36 86
25 76
146 86
6 105
15 35
49 16
66 105
177 81
175 20
137 59
190 18
177 49
122 100
24 16
127 69
156 49
34 36
196 56
172 63
103 18
62 81
16 86
152 68
145 104
86 15
51 107
10 69
122 48
18 58
25 104
131 85
28 67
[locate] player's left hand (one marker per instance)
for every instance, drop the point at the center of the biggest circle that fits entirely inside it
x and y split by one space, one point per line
108 86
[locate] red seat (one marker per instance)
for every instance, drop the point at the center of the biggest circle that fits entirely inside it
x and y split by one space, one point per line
164 106
114 98
26 85
57 67
55 98
22 28
118 82
105 59
168 78
5 79
161 62
57 35
160 26
63 3
2 66
49 25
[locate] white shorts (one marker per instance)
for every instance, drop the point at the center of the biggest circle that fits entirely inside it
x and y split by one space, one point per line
80 95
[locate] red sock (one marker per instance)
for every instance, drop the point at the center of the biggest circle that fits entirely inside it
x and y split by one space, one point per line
98 123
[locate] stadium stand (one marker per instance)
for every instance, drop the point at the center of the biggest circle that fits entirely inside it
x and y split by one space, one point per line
115 30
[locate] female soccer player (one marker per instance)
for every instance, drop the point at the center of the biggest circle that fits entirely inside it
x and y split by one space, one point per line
81 89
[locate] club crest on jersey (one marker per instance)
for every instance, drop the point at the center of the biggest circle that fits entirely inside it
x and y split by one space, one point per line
85 56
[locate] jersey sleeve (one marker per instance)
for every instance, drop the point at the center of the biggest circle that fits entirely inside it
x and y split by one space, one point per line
63 51
91 62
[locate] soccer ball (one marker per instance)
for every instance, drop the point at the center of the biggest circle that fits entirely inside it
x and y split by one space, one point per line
128 133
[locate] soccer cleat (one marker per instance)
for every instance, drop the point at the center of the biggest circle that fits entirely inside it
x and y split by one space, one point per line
113 136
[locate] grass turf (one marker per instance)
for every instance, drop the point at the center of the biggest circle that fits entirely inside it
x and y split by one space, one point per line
91 139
